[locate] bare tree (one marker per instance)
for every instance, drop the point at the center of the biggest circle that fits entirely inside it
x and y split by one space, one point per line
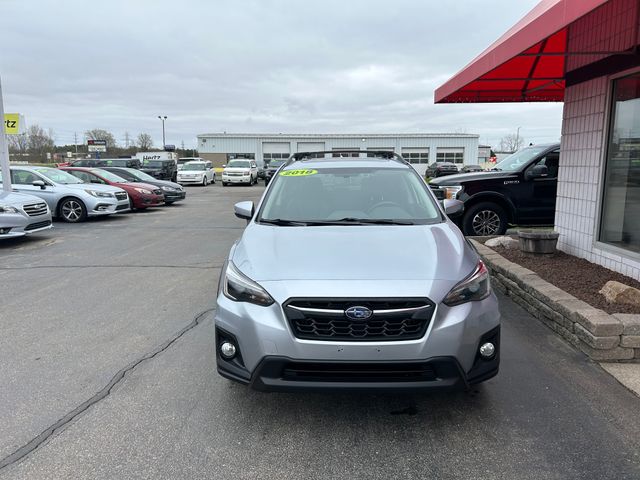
145 142
39 141
100 134
18 143
511 143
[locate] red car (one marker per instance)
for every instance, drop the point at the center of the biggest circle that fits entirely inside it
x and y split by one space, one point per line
141 195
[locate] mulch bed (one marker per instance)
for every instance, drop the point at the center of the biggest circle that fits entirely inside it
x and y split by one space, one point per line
574 275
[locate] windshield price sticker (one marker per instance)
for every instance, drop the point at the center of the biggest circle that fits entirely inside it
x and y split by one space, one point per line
298 173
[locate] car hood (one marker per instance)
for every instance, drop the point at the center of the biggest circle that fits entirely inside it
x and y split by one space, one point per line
367 252
469 177
92 186
13 198
165 183
147 186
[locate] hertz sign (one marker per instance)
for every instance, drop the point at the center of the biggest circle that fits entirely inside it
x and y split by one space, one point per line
12 123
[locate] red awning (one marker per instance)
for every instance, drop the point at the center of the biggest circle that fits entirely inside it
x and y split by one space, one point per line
526 64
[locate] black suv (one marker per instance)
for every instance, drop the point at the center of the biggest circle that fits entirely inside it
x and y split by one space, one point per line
440 169
271 169
521 190
160 169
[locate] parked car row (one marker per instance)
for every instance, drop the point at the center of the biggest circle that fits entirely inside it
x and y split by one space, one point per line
442 169
72 194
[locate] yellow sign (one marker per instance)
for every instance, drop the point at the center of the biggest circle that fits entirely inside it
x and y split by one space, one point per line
298 173
12 123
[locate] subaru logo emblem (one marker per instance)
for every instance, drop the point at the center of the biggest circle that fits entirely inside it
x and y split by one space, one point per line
358 313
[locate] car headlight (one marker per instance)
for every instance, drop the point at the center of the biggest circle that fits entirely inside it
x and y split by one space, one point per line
246 173
452 192
240 288
168 189
473 288
95 193
143 191
8 209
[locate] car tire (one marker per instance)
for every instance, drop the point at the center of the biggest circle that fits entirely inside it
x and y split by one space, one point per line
224 184
213 181
205 181
72 210
486 218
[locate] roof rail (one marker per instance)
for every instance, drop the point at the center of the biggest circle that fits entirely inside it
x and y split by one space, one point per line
347 152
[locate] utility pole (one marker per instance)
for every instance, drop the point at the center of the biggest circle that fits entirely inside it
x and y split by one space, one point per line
517 139
126 139
4 150
75 142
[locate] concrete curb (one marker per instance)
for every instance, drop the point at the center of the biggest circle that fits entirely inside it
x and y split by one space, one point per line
601 336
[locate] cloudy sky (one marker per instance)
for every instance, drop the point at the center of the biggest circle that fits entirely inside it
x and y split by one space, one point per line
290 66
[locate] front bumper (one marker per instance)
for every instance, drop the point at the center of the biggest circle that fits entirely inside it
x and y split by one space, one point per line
190 180
144 201
236 179
106 206
271 358
174 196
18 225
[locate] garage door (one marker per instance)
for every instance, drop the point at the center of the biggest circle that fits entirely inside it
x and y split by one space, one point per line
310 146
275 147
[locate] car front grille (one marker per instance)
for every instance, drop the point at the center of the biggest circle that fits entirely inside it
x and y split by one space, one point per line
35 226
437 191
35 209
121 195
235 174
121 207
391 319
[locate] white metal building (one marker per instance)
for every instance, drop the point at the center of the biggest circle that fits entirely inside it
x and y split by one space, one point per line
420 149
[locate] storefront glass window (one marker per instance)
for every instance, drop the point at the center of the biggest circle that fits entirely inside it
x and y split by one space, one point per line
620 224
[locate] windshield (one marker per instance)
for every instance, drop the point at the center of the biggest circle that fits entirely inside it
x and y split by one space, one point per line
137 174
275 163
193 166
153 163
111 177
517 160
350 196
239 164
58 176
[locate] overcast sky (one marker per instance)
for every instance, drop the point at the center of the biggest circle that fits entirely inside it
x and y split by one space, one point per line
289 66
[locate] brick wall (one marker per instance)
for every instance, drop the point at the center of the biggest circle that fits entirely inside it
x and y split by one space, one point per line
583 140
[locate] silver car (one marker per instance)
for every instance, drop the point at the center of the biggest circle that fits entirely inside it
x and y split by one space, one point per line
22 215
350 275
68 197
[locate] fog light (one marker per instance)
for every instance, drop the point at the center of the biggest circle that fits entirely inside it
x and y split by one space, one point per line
487 349
4 231
227 350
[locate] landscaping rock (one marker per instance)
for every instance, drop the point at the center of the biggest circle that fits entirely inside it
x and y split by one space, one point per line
630 323
506 242
616 292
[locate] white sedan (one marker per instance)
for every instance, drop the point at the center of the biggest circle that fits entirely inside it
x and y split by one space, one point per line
200 173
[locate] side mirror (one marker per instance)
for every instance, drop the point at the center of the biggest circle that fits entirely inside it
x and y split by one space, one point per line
95 180
224 166
244 210
39 183
452 208
539 171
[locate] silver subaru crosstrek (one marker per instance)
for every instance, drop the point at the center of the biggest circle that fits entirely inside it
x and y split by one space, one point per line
351 276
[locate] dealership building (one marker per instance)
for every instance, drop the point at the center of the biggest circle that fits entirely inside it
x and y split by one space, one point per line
585 53
420 149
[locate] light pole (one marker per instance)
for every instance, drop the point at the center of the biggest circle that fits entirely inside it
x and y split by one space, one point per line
517 138
162 119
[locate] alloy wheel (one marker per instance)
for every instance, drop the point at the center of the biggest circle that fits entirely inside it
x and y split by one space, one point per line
486 222
71 211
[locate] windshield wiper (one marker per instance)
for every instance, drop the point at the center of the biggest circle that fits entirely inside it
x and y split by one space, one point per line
362 221
282 223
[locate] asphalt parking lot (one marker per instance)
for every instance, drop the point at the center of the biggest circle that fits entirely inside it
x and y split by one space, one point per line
107 371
